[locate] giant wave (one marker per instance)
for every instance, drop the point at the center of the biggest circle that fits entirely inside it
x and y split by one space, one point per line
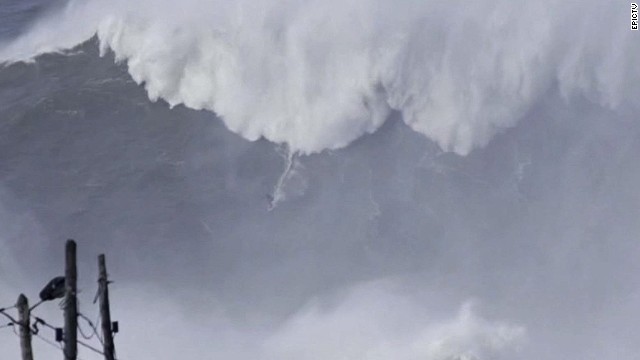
316 75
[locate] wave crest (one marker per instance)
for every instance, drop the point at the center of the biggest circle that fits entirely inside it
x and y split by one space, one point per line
316 74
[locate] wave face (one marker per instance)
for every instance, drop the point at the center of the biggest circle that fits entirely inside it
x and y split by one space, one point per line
317 75
370 252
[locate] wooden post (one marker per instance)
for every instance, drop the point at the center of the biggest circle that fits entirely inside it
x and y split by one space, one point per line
24 321
105 313
70 303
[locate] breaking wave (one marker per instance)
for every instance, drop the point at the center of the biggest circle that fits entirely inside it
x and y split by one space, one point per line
318 74
376 325
366 322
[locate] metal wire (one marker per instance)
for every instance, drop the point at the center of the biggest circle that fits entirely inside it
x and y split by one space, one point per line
48 341
90 347
8 308
93 328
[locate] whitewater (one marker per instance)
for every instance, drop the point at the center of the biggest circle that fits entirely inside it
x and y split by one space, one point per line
316 75
460 178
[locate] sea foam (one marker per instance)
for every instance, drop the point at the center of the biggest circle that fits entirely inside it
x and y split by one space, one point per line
318 74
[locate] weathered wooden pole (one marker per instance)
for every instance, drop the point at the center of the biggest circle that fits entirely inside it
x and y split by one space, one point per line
70 303
24 321
105 312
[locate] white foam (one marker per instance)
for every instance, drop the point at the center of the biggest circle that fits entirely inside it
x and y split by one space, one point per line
375 324
317 74
368 321
291 183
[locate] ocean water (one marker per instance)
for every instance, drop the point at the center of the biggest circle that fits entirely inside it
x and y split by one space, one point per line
308 179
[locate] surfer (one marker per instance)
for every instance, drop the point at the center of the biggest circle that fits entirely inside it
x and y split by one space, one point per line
270 201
